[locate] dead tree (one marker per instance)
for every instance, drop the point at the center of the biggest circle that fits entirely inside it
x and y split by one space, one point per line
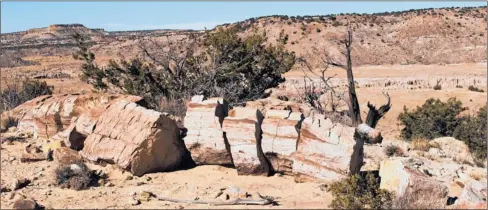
354 110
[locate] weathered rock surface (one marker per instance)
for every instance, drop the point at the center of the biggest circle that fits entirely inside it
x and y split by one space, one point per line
66 156
276 104
240 133
280 138
411 186
473 196
324 150
205 138
136 139
47 115
25 204
454 149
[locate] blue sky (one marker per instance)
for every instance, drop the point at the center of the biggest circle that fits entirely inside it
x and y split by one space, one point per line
113 16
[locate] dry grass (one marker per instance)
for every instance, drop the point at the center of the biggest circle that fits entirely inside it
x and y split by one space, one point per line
393 150
421 144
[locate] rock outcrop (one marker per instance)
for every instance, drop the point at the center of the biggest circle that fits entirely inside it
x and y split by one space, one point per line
205 138
290 143
452 148
136 139
324 150
411 186
473 196
280 138
240 128
47 115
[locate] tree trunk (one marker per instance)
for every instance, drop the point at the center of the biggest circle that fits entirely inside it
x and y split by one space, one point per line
357 156
354 110
374 115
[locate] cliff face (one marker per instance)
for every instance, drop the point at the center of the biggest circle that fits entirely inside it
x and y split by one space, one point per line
428 36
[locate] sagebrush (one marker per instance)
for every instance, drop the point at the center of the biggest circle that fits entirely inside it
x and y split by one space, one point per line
360 192
393 150
75 176
433 119
439 119
19 92
472 130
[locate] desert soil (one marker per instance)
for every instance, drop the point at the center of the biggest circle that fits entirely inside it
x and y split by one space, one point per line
203 182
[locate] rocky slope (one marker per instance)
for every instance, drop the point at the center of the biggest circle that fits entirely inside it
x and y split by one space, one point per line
428 36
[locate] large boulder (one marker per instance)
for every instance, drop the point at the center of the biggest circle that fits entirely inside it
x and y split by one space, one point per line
412 187
205 138
47 115
324 150
136 139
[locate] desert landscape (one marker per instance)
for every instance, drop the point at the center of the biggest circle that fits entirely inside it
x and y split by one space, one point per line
113 141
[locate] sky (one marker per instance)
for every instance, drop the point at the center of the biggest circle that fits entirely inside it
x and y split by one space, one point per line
121 16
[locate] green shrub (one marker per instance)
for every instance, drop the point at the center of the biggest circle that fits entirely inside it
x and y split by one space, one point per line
475 89
437 87
472 131
433 119
318 30
360 192
438 119
228 66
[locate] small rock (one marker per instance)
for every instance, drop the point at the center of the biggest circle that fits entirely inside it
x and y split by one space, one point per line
49 192
140 183
12 129
26 204
75 167
39 170
148 178
11 158
145 195
129 177
32 157
109 184
135 202
323 187
19 183
11 196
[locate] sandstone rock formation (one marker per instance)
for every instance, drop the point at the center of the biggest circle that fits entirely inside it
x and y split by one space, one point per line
66 156
454 149
473 196
205 138
47 115
410 185
309 148
324 150
136 139
280 138
240 132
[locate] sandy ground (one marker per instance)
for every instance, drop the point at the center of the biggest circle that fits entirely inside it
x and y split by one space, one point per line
203 182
